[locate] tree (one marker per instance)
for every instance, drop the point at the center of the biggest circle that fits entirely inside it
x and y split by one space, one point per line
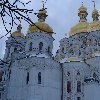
11 10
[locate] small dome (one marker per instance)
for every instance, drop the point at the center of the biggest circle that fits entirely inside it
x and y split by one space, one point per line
41 26
82 26
82 9
18 32
95 15
95 12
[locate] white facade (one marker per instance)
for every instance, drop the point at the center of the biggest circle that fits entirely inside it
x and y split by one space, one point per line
29 72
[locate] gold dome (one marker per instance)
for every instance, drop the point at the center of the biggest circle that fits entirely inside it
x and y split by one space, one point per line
41 26
82 9
18 32
95 25
80 27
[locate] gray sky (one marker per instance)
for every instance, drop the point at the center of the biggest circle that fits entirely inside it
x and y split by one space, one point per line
62 15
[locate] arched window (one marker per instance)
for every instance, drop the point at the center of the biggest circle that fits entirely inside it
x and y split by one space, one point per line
30 46
48 49
68 86
40 46
1 74
78 98
15 49
27 78
39 78
63 49
8 51
78 86
0 95
79 52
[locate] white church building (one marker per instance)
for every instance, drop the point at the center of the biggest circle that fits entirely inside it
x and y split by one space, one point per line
30 72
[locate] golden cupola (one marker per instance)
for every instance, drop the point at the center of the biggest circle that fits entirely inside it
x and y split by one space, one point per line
83 25
95 25
41 26
18 32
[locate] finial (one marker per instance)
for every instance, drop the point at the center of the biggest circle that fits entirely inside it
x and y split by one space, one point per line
43 4
19 28
82 3
94 4
42 13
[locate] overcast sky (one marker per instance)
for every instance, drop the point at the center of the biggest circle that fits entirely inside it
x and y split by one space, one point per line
62 15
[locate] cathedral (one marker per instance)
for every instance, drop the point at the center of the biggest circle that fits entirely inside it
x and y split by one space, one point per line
29 71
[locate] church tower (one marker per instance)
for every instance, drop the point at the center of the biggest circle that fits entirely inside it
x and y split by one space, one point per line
39 37
36 76
15 43
92 82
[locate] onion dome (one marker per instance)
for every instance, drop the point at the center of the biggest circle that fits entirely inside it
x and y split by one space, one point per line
41 26
82 26
95 25
18 32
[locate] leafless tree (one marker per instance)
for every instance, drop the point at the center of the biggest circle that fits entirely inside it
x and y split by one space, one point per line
11 12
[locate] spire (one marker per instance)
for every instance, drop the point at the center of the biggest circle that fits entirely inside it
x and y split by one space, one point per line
94 4
42 13
95 14
82 13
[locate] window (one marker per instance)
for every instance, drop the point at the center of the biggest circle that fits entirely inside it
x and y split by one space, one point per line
0 95
78 98
30 46
68 73
9 74
71 51
68 86
63 49
1 74
40 46
79 52
8 51
27 78
39 78
68 98
78 86
49 49
15 49
78 73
